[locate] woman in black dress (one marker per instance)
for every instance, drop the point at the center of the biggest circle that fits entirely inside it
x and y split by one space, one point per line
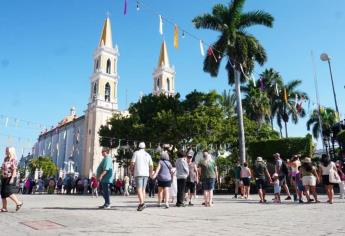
8 174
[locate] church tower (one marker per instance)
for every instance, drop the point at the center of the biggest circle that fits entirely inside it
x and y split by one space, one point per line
103 97
164 75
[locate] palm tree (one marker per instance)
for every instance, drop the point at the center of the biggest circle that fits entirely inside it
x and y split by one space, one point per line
239 48
228 102
286 107
328 119
272 82
256 103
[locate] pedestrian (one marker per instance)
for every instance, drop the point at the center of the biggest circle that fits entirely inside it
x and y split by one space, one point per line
21 186
105 176
246 175
294 164
8 174
126 181
342 178
59 185
94 186
182 172
276 188
142 167
237 180
325 168
163 175
40 186
260 174
173 187
193 177
309 179
152 186
299 185
208 174
282 170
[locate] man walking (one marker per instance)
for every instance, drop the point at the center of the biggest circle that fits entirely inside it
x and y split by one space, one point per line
282 171
260 174
141 167
192 178
105 176
182 172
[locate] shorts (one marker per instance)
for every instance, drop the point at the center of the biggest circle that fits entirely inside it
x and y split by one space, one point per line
261 184
277 189
282 180
190 186
309 181
164 184
246 181
300 186
141 181
208 184
325 180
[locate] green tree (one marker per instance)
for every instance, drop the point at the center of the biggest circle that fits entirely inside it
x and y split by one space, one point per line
46 164
239 48
328 119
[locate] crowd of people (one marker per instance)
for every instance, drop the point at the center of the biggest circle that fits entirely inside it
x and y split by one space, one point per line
176 181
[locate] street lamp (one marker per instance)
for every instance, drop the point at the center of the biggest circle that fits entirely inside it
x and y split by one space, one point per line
325 57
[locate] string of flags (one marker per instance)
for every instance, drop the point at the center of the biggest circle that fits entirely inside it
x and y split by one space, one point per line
8 121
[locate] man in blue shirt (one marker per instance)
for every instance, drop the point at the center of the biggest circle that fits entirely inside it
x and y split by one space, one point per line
105 176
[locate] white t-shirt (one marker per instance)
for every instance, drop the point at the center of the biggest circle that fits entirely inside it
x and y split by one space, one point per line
142 162
326 170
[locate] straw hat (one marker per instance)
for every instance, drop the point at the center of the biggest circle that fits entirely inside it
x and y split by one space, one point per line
307 160
258 159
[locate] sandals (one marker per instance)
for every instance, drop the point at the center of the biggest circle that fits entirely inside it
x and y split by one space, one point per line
4 210
19 206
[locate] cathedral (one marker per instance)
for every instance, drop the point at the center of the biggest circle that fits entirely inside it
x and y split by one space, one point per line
73 144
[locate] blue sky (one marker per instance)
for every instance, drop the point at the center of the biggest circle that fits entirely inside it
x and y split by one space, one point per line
46 52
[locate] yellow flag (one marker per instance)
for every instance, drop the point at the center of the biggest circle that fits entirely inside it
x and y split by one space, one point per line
175 36
285 96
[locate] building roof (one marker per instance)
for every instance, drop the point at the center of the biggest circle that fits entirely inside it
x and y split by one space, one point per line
106 37
163 56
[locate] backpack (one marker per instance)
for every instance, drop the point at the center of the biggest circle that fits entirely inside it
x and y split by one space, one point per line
285 169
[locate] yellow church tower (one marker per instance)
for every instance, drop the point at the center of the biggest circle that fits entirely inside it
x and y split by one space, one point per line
164 75
103 97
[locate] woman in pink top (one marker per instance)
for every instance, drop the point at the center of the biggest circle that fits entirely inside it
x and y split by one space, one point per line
246 175
294 164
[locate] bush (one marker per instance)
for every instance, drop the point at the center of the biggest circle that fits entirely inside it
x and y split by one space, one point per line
286 148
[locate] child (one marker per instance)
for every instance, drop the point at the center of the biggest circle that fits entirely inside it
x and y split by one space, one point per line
299 183
277 188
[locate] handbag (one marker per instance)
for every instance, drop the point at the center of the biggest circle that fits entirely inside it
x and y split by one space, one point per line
334 177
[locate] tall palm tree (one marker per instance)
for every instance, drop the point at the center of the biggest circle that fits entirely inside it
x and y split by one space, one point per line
328 119
256 103
272 82
239 48
286 108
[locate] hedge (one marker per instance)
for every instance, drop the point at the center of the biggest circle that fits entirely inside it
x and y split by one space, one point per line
286 147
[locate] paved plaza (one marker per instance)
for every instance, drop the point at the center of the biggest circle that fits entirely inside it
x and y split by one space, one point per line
78 215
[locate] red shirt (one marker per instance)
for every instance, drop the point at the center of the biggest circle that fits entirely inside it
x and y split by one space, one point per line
8 166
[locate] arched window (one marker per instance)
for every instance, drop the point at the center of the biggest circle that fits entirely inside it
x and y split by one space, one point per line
108 66
158 83
107 92
94 91
168 85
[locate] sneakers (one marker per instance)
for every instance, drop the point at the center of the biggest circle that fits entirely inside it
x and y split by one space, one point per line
141 207
190 204
180 204
288 198
166 206
104 207
300 201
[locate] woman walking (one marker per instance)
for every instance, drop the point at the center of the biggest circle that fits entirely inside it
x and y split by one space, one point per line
342 178
246 175
163 175
208 174
9 170
294 164
326 166
309 179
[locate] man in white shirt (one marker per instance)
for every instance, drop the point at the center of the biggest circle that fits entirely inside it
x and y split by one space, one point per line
141 167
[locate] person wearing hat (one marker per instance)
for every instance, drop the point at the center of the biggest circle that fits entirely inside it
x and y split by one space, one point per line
309 179
141 166
192 178
260 174
282 171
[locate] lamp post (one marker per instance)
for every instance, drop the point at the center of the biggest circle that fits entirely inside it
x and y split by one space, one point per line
325 57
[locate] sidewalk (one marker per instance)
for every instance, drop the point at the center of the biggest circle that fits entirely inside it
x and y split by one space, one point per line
78 215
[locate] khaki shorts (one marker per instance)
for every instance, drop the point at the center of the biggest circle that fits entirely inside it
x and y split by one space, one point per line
309 181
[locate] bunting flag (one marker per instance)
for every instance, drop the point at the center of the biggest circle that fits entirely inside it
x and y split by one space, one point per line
138 5
211 53
277 90
125 8
202 50
6 122
175 36
285 96
160 24
299 107
296 100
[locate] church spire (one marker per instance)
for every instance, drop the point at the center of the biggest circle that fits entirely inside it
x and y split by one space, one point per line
163 56
106 37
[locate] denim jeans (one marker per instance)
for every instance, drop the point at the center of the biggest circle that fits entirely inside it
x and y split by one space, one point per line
105 193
